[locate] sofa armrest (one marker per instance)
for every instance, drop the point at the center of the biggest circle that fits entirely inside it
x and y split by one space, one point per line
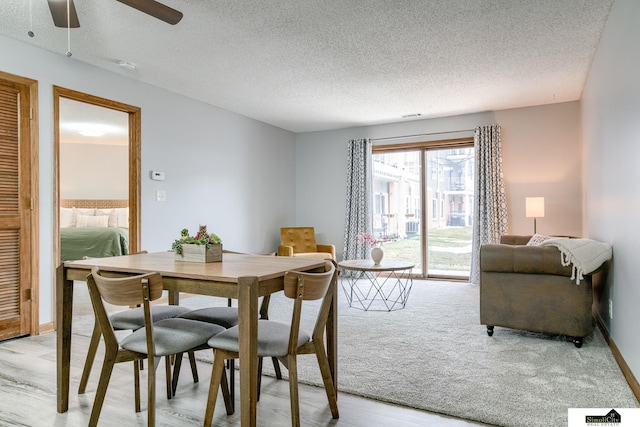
285 250
331 249
508 258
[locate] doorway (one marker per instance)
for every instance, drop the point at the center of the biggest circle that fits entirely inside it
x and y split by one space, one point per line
89 117
423 205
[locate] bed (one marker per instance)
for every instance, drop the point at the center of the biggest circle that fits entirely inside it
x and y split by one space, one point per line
93 228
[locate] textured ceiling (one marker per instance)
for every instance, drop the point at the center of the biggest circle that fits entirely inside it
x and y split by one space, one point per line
308 65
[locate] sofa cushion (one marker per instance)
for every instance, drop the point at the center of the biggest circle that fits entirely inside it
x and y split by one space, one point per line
302 239
321 255
537 239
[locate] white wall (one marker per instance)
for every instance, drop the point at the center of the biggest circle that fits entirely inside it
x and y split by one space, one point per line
611 133
94 171
541 157
222 169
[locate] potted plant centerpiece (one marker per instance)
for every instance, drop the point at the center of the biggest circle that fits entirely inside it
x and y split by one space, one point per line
203 247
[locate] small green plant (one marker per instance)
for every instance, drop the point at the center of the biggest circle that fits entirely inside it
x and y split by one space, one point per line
202 237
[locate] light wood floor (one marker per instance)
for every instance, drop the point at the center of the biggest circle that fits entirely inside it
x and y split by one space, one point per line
28 396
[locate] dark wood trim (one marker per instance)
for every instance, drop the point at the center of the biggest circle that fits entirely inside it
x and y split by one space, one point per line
446 143
626 371
35 211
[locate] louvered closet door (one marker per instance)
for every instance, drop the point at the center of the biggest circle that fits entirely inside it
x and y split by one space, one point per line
14 212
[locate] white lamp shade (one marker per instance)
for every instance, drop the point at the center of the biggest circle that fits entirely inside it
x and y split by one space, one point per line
534 207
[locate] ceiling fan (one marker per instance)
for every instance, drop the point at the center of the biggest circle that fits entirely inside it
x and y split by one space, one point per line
150 7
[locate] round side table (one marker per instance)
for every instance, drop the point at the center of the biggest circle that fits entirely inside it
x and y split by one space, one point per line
382 287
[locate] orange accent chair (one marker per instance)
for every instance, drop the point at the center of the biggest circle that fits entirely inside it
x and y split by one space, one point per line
301 242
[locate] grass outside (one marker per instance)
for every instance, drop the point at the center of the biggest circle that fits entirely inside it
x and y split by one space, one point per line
446 249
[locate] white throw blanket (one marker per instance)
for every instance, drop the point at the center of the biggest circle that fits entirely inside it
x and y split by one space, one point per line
586 255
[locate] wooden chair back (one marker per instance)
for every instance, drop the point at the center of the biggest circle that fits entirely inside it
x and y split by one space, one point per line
303 286
122 291
315 284
127 290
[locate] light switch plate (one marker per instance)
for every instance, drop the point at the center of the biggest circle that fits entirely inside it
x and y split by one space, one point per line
161 195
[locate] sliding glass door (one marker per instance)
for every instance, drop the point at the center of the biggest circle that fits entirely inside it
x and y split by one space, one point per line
423 203
449 192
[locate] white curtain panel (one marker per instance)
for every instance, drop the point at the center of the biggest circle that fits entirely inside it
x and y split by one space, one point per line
490 203
358 203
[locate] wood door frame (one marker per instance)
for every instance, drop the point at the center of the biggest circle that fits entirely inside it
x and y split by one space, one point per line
135 123
31 129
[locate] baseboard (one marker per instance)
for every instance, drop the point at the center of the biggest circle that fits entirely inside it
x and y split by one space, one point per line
45 328
628 375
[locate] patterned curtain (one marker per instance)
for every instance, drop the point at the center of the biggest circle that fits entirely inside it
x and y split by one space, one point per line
358 210
490 204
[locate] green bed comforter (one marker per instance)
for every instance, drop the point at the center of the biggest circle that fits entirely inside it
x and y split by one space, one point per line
76 243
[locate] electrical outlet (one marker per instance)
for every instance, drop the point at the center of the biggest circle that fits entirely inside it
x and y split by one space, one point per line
610 308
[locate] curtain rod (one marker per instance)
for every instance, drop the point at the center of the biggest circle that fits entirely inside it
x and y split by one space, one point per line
421 134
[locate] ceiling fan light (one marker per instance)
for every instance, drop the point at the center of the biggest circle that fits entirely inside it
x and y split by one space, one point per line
93 133
90 129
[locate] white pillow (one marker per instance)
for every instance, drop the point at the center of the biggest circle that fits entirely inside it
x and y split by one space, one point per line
66 215
77 211
89 221
111 213
123 217
537 239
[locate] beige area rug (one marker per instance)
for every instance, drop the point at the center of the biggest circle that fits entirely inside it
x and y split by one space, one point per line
435 355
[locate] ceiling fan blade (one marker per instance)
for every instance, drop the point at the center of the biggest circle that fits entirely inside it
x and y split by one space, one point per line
59 13
155 9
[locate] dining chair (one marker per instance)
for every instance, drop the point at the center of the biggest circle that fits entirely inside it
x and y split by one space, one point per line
128 320
228 318
153 341
285 341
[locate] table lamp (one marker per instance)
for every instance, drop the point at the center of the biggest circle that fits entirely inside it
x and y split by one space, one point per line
534 207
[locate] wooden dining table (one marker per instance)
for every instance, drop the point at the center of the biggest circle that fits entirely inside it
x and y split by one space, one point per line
239 276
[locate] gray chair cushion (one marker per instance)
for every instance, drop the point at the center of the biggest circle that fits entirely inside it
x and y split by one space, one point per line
223 316
134 319
273 338
172 336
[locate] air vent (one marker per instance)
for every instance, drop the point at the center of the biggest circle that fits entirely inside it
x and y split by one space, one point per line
129 66
411 116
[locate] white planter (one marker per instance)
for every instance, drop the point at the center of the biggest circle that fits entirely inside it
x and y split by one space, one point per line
376 255
200 253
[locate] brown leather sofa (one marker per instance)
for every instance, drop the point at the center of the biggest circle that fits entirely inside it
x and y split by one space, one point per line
526 287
